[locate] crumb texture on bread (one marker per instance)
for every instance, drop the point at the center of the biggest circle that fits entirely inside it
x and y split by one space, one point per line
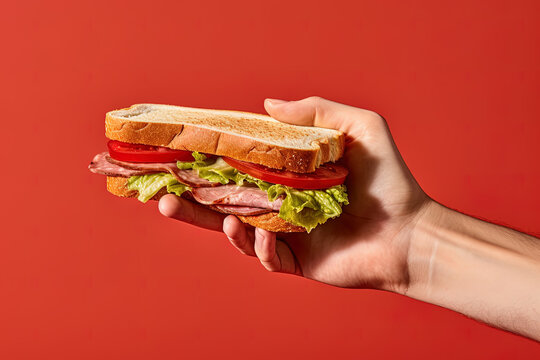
270 221
241 135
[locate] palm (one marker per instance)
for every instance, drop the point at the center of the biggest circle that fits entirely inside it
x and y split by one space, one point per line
367 245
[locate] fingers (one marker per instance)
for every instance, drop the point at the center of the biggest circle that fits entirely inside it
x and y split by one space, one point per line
184 210
238 235
265 248
274 254
316 111
306 112
312 111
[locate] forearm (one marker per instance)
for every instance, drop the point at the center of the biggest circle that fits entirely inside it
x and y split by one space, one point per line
482 270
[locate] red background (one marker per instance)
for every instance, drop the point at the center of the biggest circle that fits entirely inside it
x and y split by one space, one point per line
85 275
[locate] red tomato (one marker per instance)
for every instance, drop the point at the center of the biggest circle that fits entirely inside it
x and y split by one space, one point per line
145 153
324 177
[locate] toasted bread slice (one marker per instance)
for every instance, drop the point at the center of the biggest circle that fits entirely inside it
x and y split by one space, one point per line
269 221
244 136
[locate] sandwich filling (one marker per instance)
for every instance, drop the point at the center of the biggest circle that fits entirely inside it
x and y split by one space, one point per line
212 181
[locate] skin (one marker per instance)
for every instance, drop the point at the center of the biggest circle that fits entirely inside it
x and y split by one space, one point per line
392 236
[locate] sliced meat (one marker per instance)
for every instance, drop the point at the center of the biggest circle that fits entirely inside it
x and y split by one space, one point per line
191 178
239 210
106 165
160 167
236 195
188 177
100 165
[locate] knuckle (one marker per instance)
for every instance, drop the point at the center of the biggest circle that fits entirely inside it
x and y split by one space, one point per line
371 117
315 100
319 104
374 115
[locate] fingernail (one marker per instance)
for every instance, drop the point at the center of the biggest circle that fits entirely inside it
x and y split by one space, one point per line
274 102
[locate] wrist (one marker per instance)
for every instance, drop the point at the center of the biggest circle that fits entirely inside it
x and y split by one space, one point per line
406 241
464 264
417 248
423 248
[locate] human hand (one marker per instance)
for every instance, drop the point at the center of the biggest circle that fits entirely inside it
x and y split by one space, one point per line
392 236
367 245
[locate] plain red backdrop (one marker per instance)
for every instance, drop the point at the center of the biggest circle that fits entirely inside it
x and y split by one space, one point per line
86 275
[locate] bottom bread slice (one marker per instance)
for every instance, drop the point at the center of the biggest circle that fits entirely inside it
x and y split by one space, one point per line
270 221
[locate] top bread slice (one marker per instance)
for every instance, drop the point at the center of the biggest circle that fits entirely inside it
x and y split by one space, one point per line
240 135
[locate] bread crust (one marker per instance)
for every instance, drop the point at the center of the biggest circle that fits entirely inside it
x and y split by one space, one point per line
270 221
197 138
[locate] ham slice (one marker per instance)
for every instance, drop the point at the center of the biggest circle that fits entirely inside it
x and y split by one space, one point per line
100 165
235 195
105 165
142 166
239 210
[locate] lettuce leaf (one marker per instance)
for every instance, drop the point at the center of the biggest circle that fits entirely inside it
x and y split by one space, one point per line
309 208
200 161
149 185
177 188
213 170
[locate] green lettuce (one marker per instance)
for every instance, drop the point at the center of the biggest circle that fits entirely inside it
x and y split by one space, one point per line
309 208
214 170
149 185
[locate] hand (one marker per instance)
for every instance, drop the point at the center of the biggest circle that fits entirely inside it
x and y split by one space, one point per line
392 236
367 245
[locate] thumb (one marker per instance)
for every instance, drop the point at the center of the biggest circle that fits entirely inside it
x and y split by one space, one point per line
312 111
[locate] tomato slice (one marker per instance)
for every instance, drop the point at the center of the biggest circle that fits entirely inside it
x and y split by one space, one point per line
145 153
324 177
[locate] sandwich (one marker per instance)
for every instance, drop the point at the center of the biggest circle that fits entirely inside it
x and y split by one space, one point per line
272 175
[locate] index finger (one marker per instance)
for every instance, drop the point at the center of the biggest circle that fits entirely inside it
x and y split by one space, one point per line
184 210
